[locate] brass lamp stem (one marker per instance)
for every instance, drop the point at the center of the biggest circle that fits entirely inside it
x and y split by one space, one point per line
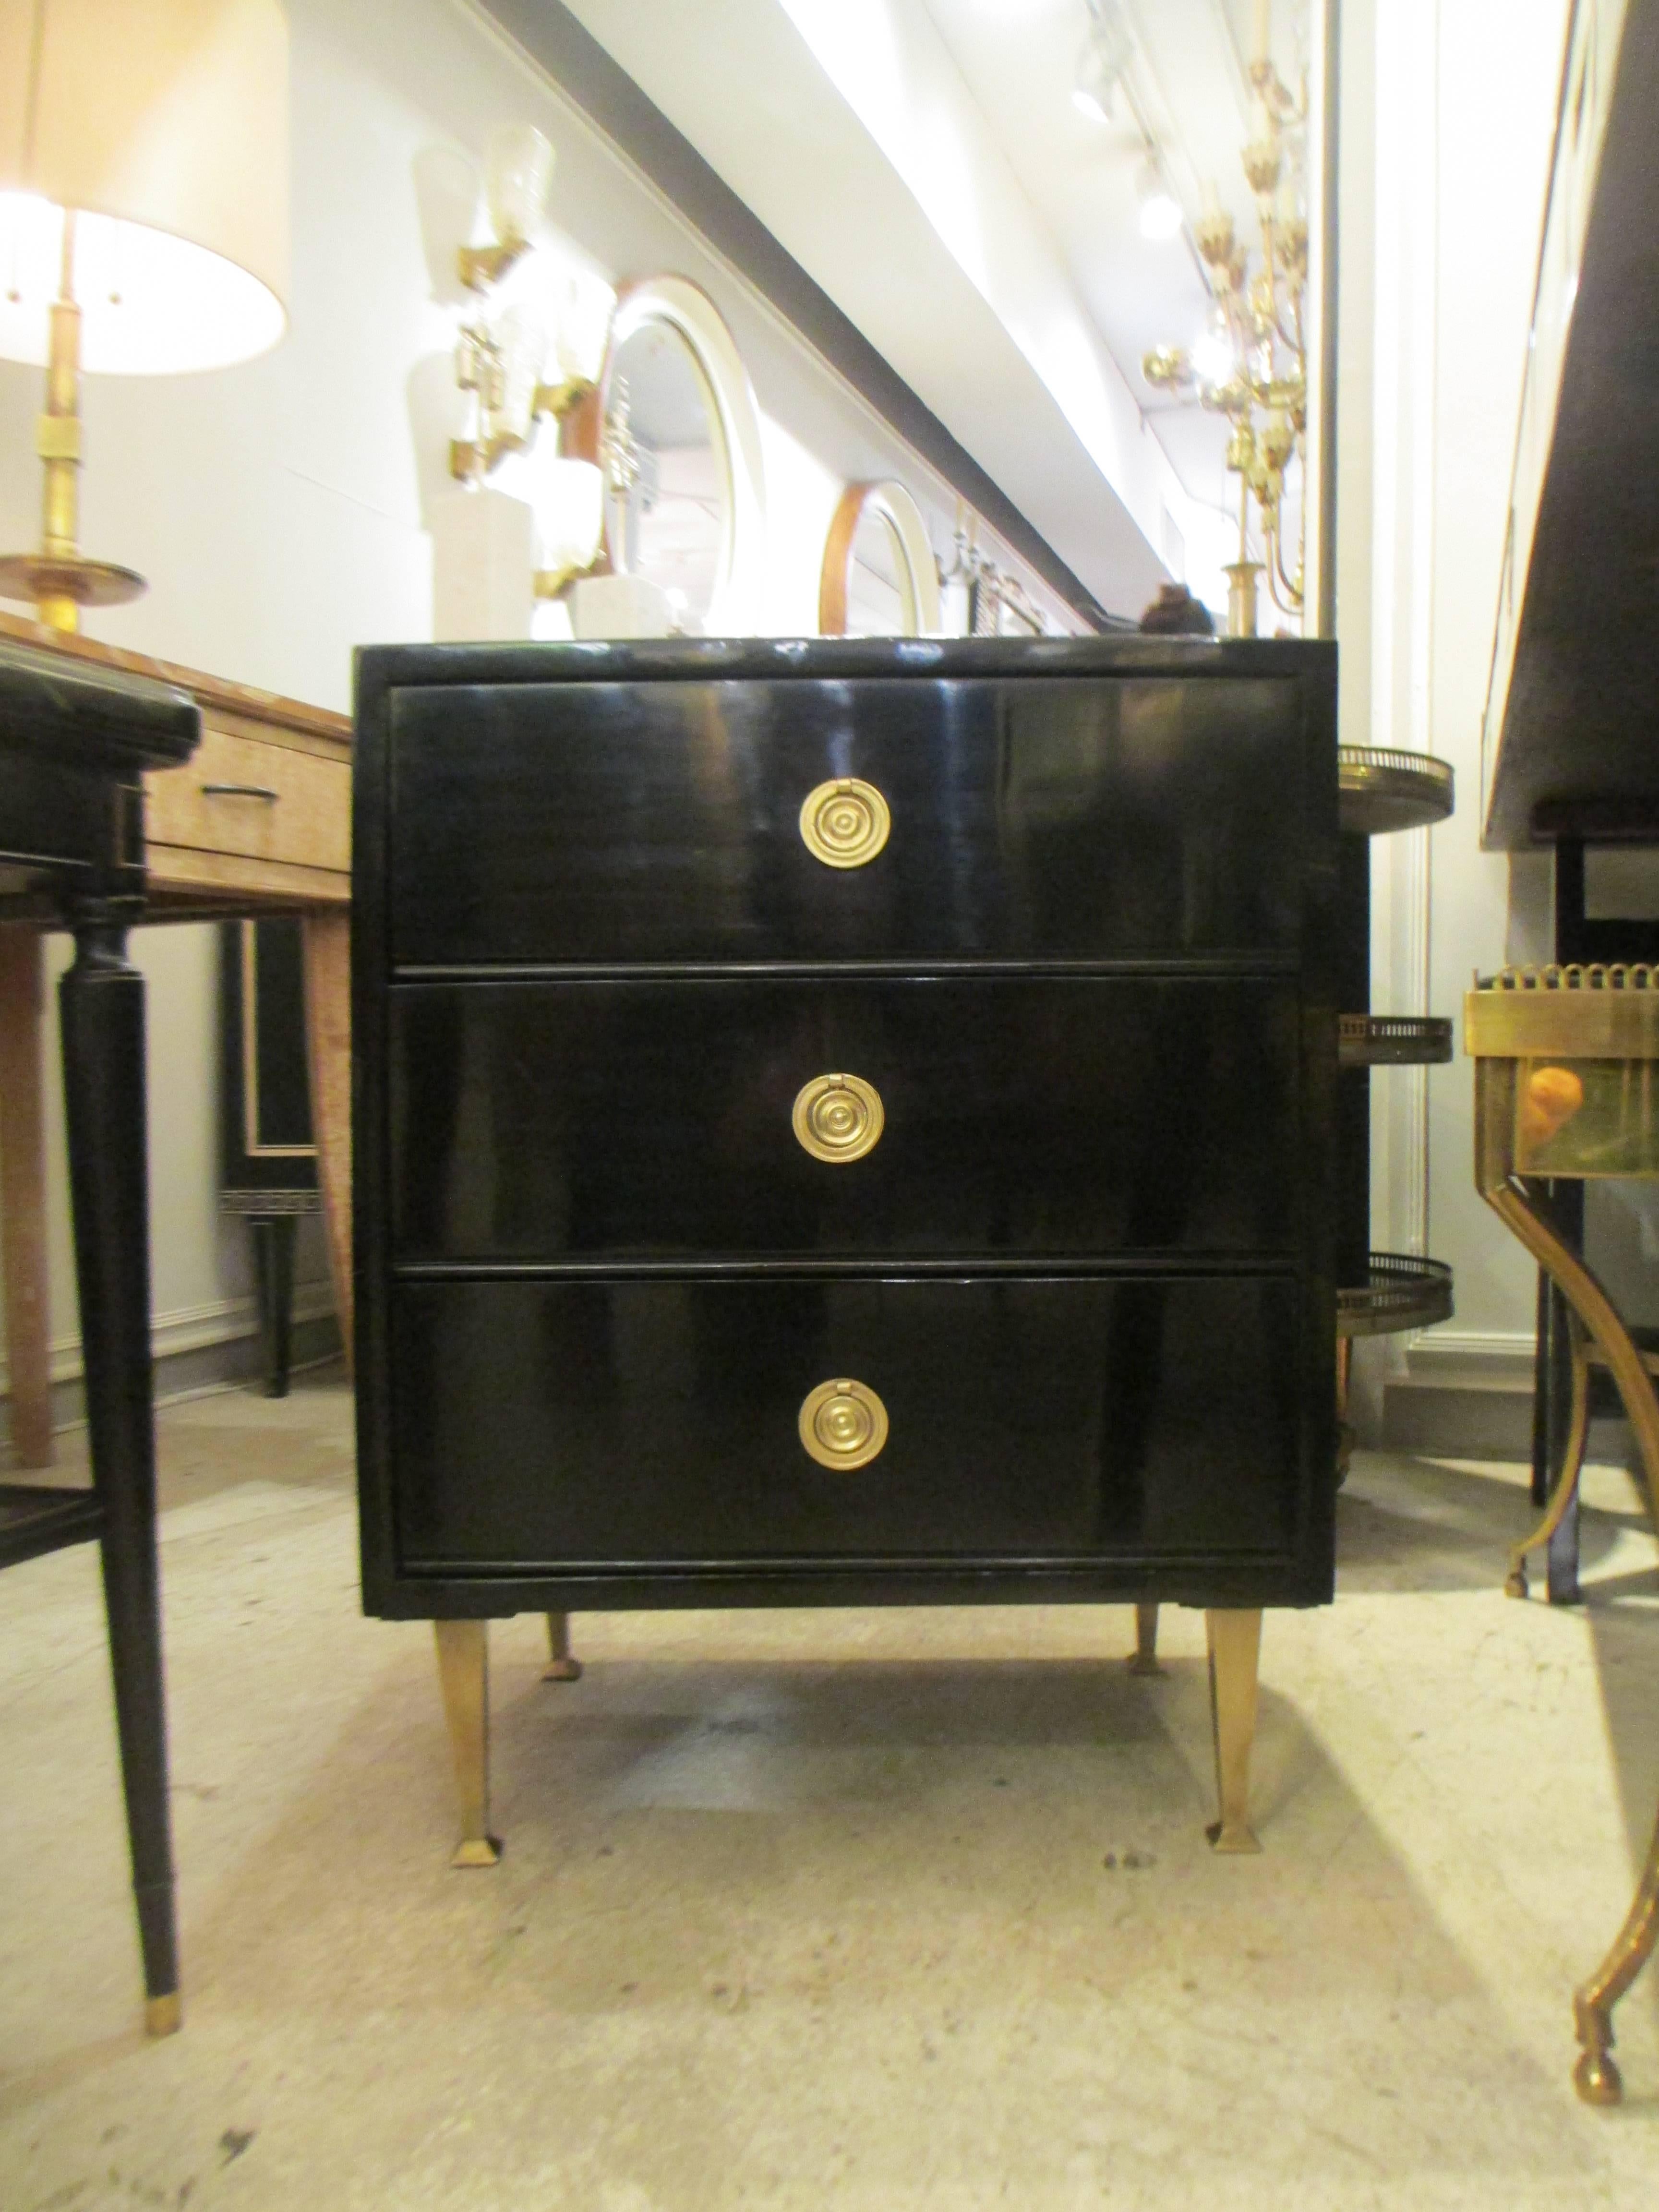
59 578
58 441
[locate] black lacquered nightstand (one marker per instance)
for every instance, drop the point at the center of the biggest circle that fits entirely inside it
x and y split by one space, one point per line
845 1122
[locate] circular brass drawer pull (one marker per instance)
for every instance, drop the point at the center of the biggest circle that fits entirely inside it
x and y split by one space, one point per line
845 823
838 1118
842 1425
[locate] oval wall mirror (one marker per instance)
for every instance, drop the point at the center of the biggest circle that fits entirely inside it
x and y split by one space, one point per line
878 578
678 441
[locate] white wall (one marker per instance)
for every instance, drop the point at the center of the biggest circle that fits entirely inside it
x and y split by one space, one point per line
1448 121
280 509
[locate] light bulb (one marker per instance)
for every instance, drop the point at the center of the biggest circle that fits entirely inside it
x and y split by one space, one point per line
1160 213
517 176
584 328
1213 358
569 513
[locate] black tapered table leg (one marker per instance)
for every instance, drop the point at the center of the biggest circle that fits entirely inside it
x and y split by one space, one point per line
273 1262
102 1005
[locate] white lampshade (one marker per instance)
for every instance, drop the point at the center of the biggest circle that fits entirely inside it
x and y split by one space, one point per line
163 125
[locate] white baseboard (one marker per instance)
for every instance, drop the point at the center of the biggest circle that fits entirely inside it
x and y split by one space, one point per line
190 1329
1471 1359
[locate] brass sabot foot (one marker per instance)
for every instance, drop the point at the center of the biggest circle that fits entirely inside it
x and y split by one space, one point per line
164 2015
562 1670
1232 1841
1517 1584
1143 1660
477 1851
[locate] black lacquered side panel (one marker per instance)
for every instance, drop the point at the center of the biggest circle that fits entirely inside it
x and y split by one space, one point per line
1045 816
541 1425
611 1119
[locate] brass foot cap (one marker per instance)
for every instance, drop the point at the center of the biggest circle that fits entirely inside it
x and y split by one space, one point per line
1234 1839
477 1851
1517 1584
164 2015
562 1670
1142 1663
1597 2080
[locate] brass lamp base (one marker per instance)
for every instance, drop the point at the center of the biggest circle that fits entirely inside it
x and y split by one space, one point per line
1242 577
60 584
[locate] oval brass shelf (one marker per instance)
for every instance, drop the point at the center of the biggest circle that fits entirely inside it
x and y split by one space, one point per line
1402 1292
1394 1040
1381 791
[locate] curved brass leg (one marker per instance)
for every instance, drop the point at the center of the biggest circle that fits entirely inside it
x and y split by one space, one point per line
1572 1465
1595 2077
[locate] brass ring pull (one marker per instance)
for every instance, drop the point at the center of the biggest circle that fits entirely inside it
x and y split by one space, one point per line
838 1118
844 822
842 1425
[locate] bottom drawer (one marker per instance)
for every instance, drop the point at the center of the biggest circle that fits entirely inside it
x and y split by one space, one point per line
538 1426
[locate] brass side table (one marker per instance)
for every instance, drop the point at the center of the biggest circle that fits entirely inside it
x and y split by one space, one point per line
1566 1087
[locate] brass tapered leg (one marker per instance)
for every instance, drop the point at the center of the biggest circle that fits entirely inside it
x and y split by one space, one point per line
1345 1434
463 1671
1573 1464
562 1666
1595 2077
1234 1641
1144 1658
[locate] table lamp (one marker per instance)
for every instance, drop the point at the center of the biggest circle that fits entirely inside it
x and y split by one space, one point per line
143 224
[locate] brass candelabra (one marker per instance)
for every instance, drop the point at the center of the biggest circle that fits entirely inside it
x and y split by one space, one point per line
1253 367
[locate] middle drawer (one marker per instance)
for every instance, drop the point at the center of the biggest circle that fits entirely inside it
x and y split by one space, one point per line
550 1120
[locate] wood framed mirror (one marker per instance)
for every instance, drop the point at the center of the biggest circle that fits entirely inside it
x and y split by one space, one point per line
878 578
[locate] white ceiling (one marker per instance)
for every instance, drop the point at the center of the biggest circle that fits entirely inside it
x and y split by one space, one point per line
925 162
1020 61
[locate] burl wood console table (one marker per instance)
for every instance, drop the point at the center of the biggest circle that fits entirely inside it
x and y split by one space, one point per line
257 822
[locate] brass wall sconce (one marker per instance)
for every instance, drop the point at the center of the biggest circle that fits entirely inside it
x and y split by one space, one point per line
518 177
503 362
1251 365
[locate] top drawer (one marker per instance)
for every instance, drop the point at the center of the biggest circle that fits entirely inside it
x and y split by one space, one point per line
1063 818
255 798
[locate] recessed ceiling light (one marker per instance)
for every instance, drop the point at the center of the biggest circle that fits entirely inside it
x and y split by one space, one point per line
1160 211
